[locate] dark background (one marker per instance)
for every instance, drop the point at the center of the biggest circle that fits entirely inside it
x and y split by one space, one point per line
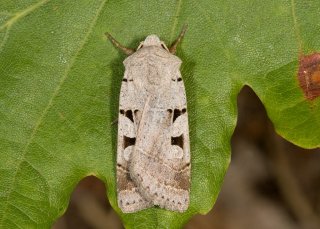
270 183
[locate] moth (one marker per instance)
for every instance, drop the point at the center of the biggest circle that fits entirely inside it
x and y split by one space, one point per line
153 149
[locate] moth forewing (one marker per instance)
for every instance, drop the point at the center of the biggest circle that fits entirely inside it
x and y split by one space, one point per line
153 152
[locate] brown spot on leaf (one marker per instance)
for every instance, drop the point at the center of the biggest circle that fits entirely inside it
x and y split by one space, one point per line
309 75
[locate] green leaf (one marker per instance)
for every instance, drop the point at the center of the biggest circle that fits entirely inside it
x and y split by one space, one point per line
60 80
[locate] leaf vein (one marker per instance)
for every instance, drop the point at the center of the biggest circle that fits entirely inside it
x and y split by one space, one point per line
295 24
16 17
20 210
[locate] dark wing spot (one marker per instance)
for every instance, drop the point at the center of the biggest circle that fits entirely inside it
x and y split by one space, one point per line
176 114
128 141
179 79
124 80
121 111
184 110
177 141
129 115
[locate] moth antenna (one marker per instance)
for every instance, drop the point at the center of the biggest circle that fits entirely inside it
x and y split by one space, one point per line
126 50
173 47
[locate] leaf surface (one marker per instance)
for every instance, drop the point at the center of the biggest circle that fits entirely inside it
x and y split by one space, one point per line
60 80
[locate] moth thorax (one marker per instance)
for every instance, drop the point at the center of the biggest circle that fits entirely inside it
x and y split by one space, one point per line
152 75
152 40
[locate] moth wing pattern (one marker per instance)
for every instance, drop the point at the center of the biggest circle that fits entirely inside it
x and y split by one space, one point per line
153 151
160 164
129 198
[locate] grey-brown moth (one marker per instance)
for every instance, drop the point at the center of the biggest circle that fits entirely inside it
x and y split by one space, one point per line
153 151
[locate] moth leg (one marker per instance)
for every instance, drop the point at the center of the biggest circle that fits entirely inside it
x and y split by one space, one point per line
173 47
126 50
114 122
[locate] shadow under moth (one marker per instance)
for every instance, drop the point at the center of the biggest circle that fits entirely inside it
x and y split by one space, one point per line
153 151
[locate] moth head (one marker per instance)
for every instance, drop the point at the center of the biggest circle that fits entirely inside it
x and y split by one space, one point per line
152 40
